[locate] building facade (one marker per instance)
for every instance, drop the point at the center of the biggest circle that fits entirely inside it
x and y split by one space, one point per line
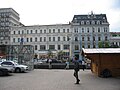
8 18
84 31
115 39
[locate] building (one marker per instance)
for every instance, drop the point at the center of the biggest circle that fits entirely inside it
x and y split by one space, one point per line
115 39
84 31
105 62
8 18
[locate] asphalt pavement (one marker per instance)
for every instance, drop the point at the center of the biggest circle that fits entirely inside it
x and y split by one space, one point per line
57 79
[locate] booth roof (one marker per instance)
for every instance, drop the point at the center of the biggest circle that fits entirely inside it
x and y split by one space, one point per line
102 50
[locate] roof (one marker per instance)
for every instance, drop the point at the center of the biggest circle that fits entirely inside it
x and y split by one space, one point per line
102 50
78 18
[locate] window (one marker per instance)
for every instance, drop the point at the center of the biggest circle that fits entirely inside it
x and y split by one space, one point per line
13 39
49 38
27 40
35 47
58 30
66 46
18 32
76 47
82 38
36 31
93 22
88 30
42 47
18 39
44 39
93 38
63 30
53 38
63 38
40 31
31 31
14 32
99 39
58 38
87 22
49 30
30 39
68 30
88 38
22 32
35 39
98 22
82 22
68 38
40 39
82 30
106 38
76 30
76 38
27 31
44 31
93 29
53 30
52 47
98 29
58 47
88 46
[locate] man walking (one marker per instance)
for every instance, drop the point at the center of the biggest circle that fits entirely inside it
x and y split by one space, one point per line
76 70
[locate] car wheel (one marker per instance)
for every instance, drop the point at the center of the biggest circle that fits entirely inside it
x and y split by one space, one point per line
1 73
17 70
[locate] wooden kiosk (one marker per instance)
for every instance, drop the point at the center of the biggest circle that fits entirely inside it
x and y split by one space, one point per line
105 62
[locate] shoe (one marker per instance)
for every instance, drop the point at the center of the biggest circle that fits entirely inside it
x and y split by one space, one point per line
77 83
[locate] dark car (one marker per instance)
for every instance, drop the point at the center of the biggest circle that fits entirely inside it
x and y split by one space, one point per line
55 61
3 71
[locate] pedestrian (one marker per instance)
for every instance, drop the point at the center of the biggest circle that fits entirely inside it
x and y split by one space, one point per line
83 65
50 64
67 65
76 70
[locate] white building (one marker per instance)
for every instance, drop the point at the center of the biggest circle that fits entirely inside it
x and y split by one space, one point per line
85 31
115 39
8 18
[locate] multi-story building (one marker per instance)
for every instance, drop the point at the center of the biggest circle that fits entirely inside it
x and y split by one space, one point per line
85 31
115 39
8 18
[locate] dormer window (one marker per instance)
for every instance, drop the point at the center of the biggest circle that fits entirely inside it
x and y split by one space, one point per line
98 22
82 22
87 22
93 22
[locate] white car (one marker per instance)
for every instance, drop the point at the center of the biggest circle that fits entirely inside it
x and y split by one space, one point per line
16 66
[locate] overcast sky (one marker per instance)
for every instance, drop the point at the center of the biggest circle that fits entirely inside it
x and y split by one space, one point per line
45 12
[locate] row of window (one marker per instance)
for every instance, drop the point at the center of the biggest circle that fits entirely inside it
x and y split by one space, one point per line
52 47
40 31
89 30
76 30
89 22
59 47
44 39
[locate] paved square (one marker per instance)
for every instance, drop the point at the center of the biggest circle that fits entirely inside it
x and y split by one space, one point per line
55 79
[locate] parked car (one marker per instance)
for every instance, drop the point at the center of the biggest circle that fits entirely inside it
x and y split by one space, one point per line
55 61
7 65
16 66
3 71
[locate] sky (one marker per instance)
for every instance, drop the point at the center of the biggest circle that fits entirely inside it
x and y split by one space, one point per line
46 12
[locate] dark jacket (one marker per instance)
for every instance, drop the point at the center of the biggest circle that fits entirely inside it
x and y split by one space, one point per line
76 66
